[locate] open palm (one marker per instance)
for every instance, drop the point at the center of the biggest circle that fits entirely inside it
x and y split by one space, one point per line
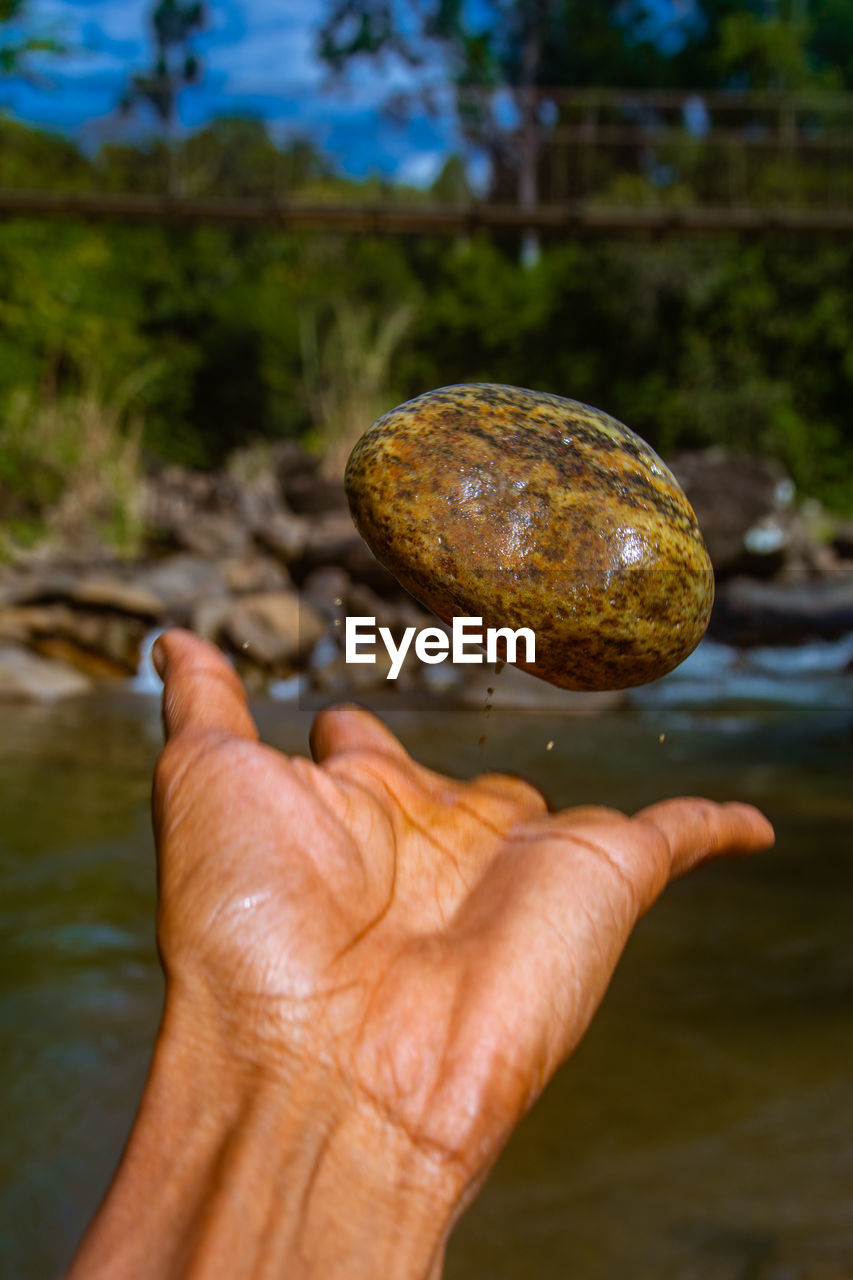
434 948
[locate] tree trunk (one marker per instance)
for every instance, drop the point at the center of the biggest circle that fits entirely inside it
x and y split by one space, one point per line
530 131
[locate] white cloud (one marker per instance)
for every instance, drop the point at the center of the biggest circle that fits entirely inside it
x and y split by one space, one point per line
421 168
257 56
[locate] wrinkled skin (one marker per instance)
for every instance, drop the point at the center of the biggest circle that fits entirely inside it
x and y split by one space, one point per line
426 952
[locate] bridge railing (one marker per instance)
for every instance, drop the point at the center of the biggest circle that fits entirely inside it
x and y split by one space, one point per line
606 159
683 147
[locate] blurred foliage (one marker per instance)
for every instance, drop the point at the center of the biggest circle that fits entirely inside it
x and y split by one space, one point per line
691 343
610 42
175 64
185 342
247 334
70 471
348 352
523 48
16 43
753 44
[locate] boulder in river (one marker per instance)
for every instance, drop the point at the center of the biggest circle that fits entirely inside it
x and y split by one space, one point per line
744 509
284 534
333 542
749 612
97 641
27 677
117 596
273 629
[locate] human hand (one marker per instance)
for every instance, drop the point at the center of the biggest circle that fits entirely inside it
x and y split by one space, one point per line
372 971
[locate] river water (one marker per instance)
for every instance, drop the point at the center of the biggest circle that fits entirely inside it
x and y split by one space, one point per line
703 1130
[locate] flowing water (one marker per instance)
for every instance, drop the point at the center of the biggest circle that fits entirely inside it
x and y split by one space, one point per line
703 1130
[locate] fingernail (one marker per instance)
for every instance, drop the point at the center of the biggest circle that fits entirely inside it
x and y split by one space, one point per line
158 657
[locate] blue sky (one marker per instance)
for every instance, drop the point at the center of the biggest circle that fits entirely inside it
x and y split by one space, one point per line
257 56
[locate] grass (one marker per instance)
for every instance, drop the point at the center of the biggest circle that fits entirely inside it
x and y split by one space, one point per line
70 472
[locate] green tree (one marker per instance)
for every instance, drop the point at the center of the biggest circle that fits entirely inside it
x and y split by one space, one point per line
174 23
830 39
519 46
15 44
235 156
768 44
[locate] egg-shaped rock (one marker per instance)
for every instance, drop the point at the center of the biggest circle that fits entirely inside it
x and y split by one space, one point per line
529 510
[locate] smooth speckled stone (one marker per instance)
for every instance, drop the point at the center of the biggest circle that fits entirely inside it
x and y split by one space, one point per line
529 510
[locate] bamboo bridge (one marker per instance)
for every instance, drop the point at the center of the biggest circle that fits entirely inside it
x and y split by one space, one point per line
608 162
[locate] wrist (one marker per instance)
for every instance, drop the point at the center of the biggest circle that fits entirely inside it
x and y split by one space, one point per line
368 1202
231 1171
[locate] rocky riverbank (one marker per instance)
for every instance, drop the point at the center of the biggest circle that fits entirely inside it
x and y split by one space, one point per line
264 560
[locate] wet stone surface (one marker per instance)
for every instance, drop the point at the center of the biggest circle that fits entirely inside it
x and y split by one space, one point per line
529 510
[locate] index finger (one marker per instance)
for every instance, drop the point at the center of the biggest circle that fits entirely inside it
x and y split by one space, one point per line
202 693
